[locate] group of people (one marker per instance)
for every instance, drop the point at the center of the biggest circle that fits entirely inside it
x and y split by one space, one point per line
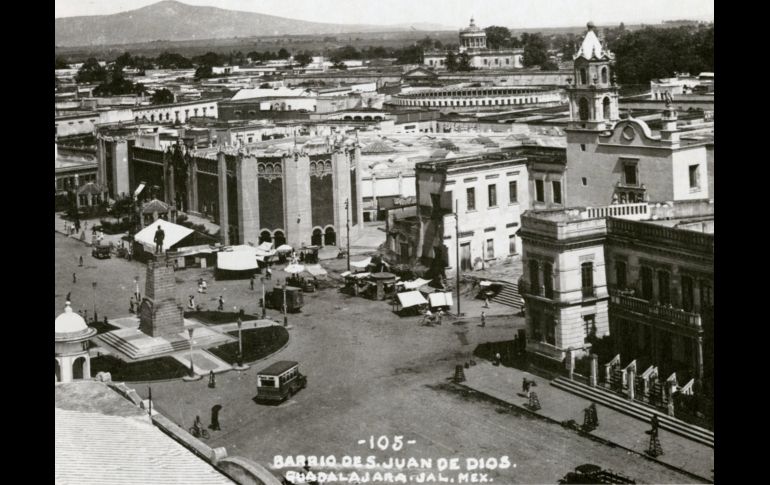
72 229
202 286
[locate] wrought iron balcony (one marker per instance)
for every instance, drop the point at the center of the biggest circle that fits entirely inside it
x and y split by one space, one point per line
662 312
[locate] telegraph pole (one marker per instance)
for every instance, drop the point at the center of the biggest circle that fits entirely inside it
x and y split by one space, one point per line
457 253
347 225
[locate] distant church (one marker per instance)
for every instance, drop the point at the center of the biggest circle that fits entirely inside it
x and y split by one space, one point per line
473 41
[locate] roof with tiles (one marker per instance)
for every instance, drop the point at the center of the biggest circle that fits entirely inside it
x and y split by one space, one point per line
102 439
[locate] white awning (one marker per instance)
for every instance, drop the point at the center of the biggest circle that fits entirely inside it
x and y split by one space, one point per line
173 234
265 246
361 264
238 258
411 298
440 299
485 283
315 269
413 285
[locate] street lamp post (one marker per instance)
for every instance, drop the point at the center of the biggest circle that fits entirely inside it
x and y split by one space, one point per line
192 376
93 285
136 287
240 365
285 319
264 303
457 253
347 226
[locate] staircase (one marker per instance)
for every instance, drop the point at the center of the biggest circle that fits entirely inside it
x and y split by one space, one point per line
509 295
635 409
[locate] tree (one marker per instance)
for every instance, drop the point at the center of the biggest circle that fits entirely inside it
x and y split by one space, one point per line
61 63
283 54
535 50
464 62
498 37
162 96
210 59
116 84
409 55
339 65
169 60
91 72
303 59
124 60
549 65
204 72
451 61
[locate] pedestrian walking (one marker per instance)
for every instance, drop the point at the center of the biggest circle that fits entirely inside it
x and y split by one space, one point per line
483 319
251 283
66 227
486 302
68 296
130 252
212 380
215 417
204 287
85 226
221 306
191 302
80 261
131 303
74 277
77 225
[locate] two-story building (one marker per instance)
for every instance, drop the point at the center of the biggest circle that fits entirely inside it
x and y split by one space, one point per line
469 205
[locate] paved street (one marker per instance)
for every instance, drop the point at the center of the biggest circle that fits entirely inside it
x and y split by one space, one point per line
369 373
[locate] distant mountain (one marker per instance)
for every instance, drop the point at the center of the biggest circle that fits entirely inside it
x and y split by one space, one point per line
171 20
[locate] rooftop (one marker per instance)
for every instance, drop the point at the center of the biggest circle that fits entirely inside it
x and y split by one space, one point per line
103 439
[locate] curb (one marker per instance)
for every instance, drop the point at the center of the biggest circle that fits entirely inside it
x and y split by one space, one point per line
587 435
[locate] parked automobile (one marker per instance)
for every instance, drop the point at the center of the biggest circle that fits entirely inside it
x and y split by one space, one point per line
279 381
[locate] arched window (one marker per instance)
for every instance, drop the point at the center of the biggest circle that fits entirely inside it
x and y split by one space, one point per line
78 368
279 239
330 238
583 76
583 109
604 75
316 239
606 108
265 236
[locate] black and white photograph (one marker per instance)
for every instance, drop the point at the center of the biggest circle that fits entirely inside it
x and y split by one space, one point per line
369 241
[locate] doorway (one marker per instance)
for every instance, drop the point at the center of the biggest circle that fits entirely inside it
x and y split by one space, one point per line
465 256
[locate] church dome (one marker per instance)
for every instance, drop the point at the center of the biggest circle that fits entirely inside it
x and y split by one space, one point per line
70 324
472 28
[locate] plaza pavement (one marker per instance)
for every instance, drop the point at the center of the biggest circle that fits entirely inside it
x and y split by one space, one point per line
504 384
370 373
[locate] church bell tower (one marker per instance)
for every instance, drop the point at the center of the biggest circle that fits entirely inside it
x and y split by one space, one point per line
593 94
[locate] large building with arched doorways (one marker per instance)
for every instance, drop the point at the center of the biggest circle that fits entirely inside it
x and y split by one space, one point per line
285 191
71 338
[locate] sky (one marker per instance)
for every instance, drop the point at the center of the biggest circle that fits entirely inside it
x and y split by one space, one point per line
450 13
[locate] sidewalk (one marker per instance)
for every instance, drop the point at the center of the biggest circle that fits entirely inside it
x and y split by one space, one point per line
504 384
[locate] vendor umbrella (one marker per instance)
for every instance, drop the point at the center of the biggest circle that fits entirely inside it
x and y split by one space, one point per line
284 248
294 268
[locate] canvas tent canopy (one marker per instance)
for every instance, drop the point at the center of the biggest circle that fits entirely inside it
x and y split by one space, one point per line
361 264
438 299
413 285
409 299
174 233
237 258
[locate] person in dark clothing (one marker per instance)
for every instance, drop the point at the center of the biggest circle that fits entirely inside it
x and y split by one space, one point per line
80 261
221 306
159 237
251 283
215 418
74 277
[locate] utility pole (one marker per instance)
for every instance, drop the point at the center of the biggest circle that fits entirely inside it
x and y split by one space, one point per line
457 253
347 225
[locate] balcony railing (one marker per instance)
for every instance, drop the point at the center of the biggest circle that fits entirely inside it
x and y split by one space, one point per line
545 348
644 307
661 235
637 211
